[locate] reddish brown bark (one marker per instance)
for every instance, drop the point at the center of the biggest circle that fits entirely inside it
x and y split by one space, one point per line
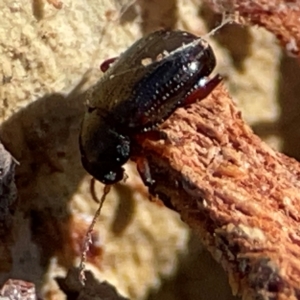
241 196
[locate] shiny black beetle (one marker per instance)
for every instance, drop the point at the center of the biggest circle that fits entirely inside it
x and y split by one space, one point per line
143 87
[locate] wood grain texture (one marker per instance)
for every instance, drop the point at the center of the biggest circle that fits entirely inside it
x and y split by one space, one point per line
240 195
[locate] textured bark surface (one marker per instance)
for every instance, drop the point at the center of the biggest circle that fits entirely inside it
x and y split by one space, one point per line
233 189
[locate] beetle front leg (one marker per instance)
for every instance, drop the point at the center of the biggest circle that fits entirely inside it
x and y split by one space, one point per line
107 63
143 168
153 135
205 87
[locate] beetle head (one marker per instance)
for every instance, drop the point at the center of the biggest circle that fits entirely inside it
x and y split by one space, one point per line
103 151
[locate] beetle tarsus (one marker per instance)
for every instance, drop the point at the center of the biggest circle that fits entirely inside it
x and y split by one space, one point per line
143 168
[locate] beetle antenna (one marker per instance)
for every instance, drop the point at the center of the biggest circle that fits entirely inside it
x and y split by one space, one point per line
88 236
227 18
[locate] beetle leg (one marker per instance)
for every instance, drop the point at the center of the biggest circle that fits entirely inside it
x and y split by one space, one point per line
106 64
153 135
203 90
144 170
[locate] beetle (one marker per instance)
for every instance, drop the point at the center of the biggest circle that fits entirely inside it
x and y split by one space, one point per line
139 91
